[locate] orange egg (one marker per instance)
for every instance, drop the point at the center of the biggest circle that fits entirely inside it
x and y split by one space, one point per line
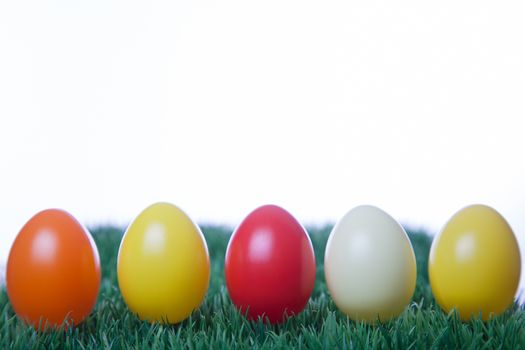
53 271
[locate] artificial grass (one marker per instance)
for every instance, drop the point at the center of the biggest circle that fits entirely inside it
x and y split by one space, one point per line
218 325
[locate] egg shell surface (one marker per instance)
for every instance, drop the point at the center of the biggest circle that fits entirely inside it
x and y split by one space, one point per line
270 265
475 263
163 265
53 271
370 266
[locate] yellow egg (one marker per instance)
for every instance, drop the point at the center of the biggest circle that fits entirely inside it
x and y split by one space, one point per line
163 265
475 263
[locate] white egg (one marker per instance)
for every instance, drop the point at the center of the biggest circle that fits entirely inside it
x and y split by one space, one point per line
370 266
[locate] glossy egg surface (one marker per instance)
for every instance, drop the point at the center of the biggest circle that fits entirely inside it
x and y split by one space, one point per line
163 265
475 263
370 266
270 265
53 271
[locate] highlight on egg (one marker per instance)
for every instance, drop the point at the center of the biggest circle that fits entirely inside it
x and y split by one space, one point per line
53 271
369 265
475 263
163 265
270 265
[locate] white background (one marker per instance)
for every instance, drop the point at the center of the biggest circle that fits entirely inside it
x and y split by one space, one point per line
221 106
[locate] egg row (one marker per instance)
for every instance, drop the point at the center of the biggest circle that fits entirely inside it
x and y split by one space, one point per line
53 270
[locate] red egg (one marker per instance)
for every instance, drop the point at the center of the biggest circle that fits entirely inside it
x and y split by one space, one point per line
270 265
53 271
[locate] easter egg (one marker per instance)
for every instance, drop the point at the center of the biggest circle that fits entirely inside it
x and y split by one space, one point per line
270 265
163 265
370 266
475 264
53 271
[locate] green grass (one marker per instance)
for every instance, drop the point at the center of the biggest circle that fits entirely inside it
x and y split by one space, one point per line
217 324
